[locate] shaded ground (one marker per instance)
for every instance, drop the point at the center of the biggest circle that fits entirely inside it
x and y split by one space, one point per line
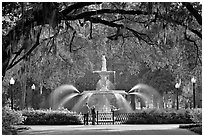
197 128
171 129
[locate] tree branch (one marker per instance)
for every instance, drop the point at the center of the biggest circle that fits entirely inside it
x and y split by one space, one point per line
90 36
68 15
196 32
27 53
117 20
105 22
140 35
17 54
194 12
103 11
197 49
62 58
72 39
170 20
77 5
130 12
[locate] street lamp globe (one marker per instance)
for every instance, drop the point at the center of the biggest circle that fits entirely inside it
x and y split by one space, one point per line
193 80
12 81
177 85
33 87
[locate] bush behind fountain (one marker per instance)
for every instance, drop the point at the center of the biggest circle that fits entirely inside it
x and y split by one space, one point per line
165 116
146 116
51 117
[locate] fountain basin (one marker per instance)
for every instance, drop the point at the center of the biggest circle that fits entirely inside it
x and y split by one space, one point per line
104 92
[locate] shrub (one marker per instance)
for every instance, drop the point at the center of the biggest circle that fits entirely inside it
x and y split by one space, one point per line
9 118
50 117
196 115
164 116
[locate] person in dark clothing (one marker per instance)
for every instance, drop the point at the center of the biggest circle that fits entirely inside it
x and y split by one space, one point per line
86 114
93 113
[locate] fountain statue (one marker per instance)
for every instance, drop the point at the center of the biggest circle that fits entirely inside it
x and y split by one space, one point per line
104 98
103 63
104 83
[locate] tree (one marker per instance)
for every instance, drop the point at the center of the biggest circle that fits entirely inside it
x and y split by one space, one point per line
57 43
29 18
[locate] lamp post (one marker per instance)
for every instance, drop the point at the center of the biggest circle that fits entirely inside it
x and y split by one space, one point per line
177 97
33 89
193 80
12 81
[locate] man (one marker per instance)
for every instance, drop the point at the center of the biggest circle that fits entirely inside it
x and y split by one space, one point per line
93 113
86 114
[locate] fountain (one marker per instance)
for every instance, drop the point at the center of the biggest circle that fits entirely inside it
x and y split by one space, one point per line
104 98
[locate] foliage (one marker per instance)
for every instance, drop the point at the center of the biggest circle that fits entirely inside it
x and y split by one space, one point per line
10 118
161 116
50 117
196 115
140 40
140 21
158 76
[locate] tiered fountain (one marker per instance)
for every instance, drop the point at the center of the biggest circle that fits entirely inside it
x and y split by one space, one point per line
103 98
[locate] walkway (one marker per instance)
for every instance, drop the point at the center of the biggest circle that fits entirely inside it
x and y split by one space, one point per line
171 129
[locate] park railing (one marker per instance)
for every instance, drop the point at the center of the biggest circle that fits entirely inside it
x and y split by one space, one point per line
104 118
121 118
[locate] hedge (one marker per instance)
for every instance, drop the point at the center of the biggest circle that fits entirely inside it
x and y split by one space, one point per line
165 116
50 117
146 116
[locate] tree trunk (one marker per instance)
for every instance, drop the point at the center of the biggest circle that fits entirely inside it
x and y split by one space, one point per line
24 92
173 100
23 82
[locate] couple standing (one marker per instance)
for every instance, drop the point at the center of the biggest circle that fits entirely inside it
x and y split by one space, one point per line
86 114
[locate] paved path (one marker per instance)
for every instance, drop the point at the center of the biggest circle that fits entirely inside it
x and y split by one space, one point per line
171 129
